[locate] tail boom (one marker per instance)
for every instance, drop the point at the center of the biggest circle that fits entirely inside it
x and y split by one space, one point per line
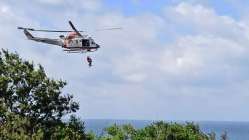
28 34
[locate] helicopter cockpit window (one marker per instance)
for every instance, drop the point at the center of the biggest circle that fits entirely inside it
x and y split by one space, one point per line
85 42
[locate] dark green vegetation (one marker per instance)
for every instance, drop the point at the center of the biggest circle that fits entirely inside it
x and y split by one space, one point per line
32 106
155 131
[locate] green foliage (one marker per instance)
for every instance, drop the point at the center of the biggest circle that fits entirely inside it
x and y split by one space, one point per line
155 131
91 136
32 105
71 130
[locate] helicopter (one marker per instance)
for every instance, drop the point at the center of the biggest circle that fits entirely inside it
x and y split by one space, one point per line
74 42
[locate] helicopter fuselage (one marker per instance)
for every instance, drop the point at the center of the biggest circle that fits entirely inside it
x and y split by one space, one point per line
79 43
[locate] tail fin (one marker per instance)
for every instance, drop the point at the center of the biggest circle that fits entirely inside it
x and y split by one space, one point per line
28 34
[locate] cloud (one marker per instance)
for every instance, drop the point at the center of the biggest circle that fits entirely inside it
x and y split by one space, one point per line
202 20
51 2
91 5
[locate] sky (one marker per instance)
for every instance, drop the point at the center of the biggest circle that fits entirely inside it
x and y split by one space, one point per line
173 59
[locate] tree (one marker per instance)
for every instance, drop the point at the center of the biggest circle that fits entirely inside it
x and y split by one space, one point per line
72 130
155 131
31 104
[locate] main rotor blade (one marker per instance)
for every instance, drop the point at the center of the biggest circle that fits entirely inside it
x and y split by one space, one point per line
71 24
115 28
32 29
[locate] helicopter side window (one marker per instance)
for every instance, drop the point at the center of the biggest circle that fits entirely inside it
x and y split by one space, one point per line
85 42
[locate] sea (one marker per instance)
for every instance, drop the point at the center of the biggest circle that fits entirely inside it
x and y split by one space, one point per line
235 130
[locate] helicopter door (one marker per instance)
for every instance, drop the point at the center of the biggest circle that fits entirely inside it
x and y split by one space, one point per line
73 43
85 43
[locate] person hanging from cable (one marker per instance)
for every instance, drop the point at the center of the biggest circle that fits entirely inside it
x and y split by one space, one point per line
89 60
